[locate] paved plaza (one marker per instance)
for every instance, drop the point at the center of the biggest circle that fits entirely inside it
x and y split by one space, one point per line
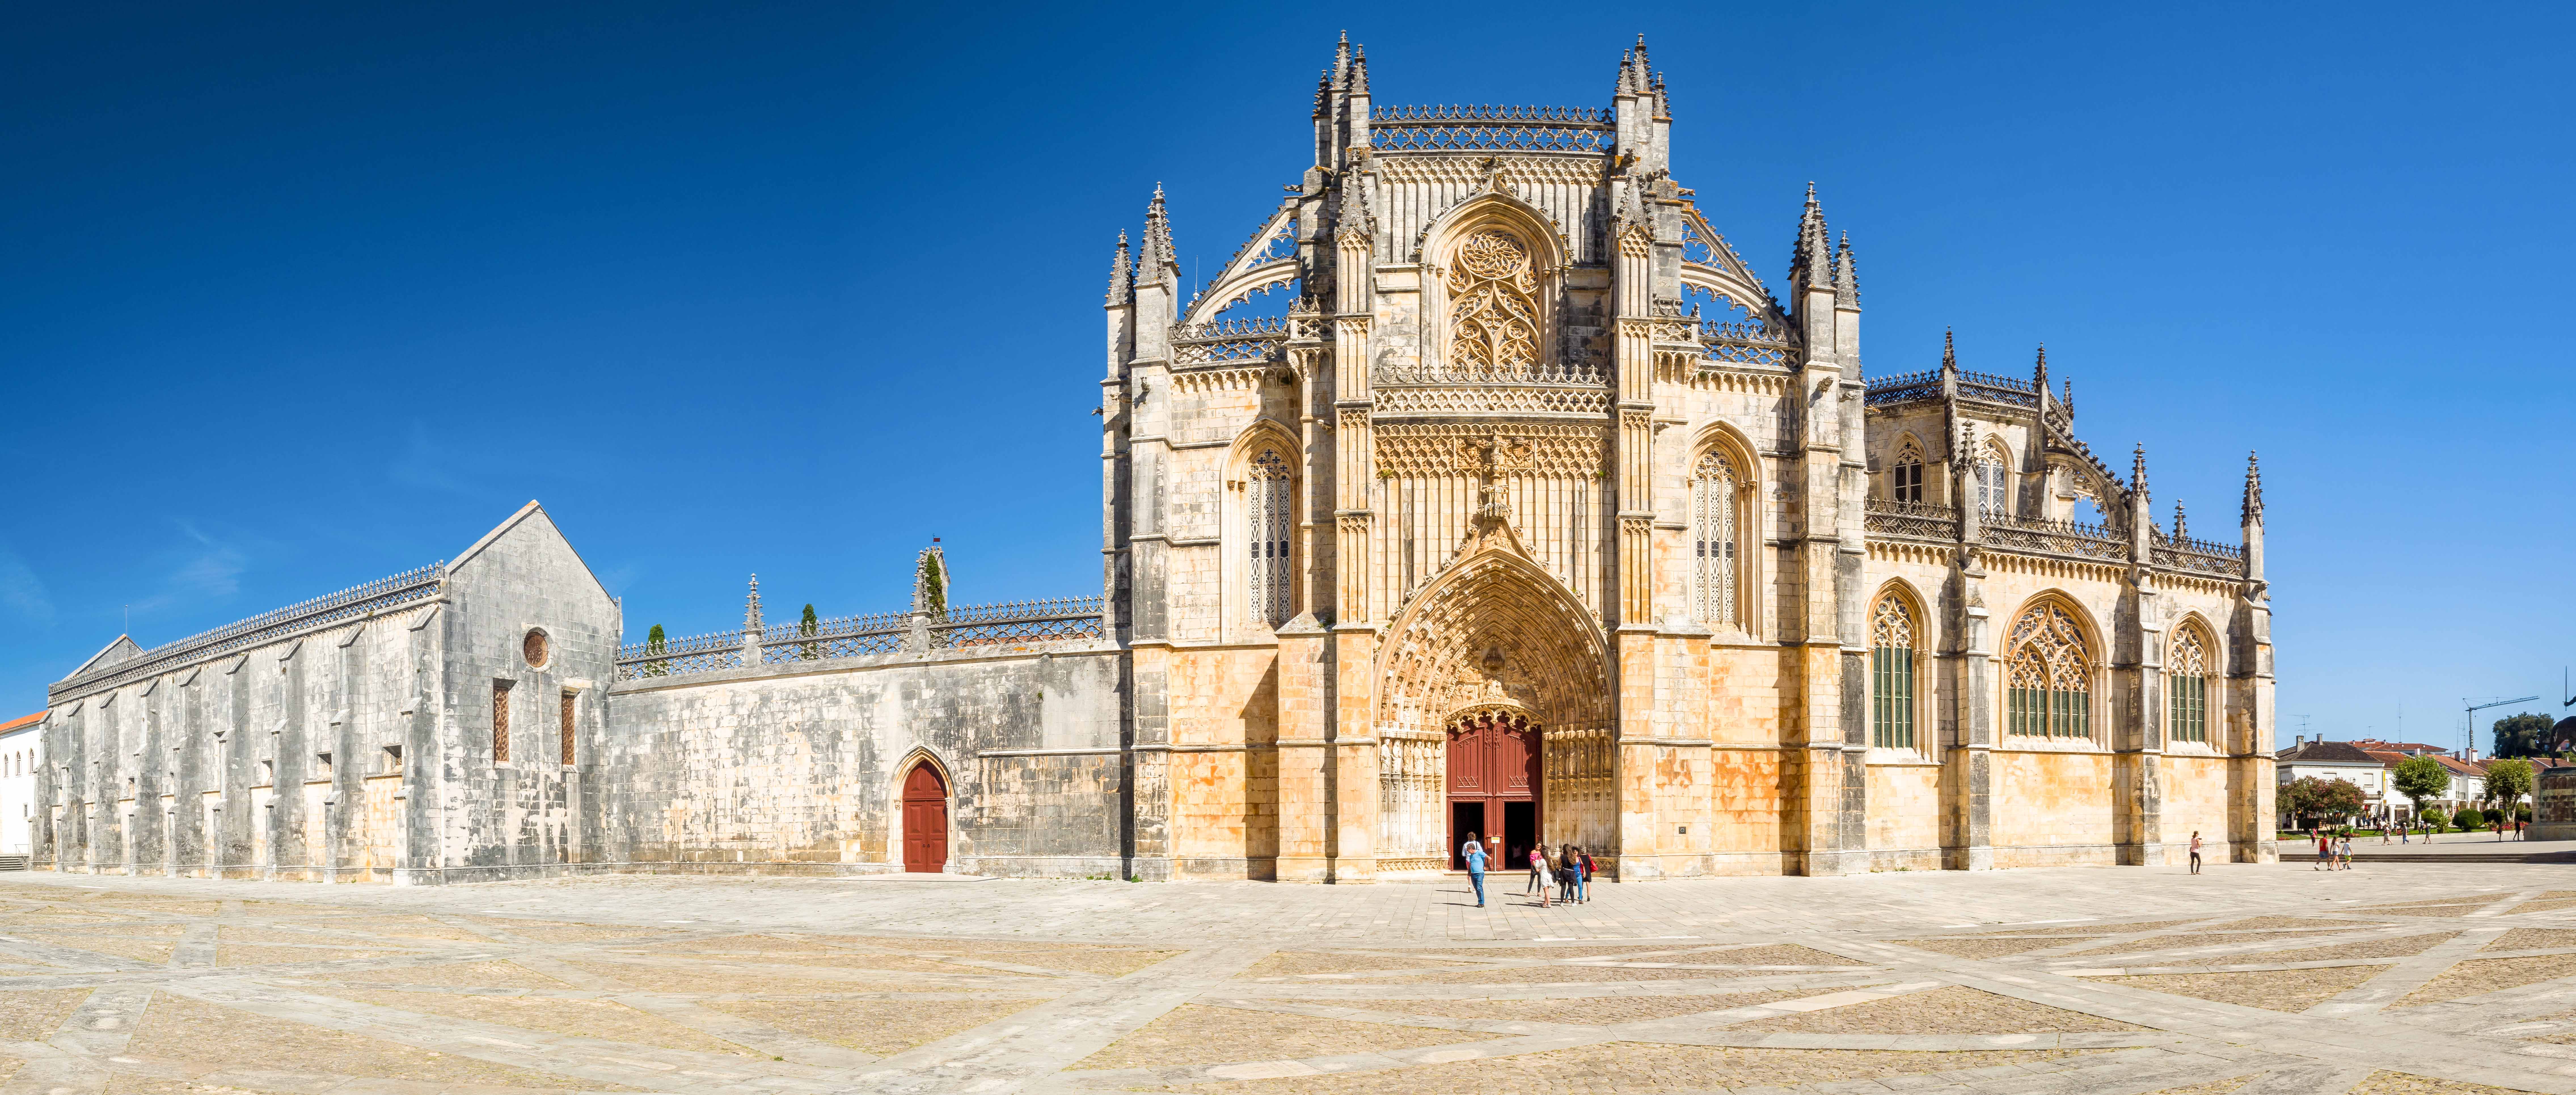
2415 977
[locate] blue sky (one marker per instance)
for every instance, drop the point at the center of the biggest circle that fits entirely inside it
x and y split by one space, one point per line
296 297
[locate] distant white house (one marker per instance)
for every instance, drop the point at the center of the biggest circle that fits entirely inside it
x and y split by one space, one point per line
22 752
2337 760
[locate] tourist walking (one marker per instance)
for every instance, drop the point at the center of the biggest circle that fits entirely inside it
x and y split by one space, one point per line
2325 850
2343 849
2195 851
1587 874
1474 853
1569 874
1538 873
1545 871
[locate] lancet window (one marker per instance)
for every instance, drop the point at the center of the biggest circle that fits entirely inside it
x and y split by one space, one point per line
1994 491
1905 482
2048 691
1267 508
1713 529
1493 309
1891 672
2187 682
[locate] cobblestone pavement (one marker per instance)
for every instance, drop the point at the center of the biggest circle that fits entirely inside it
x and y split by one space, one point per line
2455 978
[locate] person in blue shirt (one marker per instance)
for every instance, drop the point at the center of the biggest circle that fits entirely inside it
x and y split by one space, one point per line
1474 854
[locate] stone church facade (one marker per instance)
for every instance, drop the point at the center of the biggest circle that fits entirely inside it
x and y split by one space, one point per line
1485 488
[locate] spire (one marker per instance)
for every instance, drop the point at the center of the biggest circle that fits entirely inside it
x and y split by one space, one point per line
1846 276
2138 471
1663 100
1356 219
2181 533
1342 61
1359 71
1627 73
2039 373
2068 401
1158 257
1949 352
1810 266
1324 94
1641 66
1122 283
2253 511
751 608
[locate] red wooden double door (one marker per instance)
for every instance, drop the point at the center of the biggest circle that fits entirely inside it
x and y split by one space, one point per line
925 821
1493 787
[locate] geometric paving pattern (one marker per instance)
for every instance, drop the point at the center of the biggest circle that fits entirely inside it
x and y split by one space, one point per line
2457 979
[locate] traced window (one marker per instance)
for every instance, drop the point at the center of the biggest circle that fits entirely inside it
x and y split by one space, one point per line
1994 496
565 731
2048 676
1905 483
1267 508
1713 540
1891 671
2187 681
1493 314
500 722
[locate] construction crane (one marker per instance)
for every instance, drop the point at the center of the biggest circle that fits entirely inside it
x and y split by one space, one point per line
2469 720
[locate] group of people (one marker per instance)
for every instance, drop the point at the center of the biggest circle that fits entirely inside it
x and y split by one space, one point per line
2334 850
1562 875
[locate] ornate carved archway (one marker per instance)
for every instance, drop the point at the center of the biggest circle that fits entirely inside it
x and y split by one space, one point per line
1494 637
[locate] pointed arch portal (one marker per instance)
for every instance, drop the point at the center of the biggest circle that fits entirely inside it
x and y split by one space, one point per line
925 820
1495 709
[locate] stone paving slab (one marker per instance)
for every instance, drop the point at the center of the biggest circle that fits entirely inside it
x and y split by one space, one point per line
785 986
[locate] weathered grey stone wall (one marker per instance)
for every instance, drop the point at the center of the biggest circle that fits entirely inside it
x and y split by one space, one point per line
269 761
800 766
525 815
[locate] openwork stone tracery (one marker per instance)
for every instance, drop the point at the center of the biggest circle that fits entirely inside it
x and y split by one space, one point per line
1493 308
2049 690
1713 548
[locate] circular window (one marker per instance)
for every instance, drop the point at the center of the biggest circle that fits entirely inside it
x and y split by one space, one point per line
533 648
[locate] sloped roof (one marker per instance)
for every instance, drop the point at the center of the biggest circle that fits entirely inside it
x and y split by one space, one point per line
2409 748
22 720
2463 767
117 651
2326 752
2388 757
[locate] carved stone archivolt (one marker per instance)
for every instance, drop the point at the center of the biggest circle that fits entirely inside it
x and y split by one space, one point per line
1495 628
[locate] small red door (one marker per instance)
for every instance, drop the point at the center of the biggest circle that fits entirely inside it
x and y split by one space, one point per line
925 821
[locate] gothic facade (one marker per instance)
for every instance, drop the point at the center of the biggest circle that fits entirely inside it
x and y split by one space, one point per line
1486 488
1538 513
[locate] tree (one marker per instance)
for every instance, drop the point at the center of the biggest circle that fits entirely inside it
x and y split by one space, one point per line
654 644
2468 819
2433 818
2508 781
2338 799
808 626
2420 778
2309 797
2296 800
2523 735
